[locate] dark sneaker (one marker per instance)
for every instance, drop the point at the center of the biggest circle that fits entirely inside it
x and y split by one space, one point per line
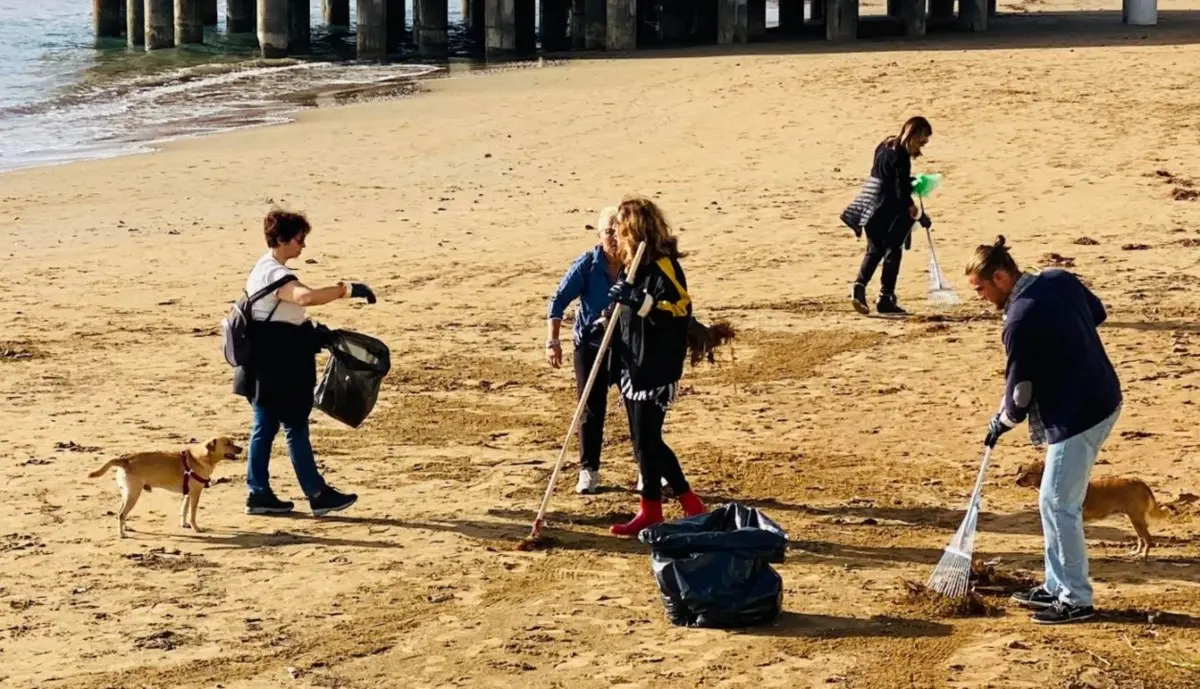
1036 597
887 305
267 503
331 500
858 297
1064 613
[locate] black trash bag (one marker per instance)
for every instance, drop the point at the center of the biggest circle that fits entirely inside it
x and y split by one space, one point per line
350 385
713 569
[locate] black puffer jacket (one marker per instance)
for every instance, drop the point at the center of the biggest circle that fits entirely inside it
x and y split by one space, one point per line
653 340
283 373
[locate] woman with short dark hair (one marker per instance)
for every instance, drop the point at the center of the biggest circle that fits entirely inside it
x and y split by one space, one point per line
279 380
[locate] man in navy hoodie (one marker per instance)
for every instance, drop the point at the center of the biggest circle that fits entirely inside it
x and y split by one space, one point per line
1059 378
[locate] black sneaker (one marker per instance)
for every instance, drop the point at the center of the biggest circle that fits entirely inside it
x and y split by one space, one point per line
887 305
267 503
1063 613
1036 597
330 500
859 298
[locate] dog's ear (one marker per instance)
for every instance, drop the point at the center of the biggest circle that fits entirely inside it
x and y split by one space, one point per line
211 445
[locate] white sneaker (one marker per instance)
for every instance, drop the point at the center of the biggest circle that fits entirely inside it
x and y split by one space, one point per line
589 481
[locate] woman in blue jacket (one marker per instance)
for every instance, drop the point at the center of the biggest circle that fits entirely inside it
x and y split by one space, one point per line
588 279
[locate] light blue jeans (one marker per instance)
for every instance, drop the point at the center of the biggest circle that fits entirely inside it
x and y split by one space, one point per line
1064 485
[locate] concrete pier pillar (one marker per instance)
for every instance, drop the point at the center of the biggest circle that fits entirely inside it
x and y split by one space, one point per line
476 19
941 11
596 24
791 16
273 28
189 22
135 22
431 35
106 18
336 12
240 16
622 25
841 20
509 29
912 14
991 7
972 15
526 19
556 24
756 19
211 15
396 31
372 29
160 24
733 21
299 27
816 10
893 8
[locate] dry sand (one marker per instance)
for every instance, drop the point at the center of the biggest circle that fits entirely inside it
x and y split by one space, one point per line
462 207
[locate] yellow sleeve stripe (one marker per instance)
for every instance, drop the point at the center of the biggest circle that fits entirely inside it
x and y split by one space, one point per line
679 308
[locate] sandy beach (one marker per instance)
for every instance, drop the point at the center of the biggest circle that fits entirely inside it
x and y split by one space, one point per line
462 207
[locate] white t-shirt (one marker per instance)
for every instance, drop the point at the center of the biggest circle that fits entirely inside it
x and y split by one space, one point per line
266 271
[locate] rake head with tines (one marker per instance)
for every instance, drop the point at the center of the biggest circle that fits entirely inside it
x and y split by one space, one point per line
951 577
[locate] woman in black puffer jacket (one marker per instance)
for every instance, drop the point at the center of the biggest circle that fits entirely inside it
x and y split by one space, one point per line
650 354
887 216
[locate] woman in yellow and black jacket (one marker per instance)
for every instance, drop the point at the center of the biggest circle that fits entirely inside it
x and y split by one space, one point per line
650 352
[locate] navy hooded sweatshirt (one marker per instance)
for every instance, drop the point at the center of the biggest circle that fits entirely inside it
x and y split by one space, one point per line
1056 361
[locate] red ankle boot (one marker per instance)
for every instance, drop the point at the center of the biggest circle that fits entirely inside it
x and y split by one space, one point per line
692 505
649 515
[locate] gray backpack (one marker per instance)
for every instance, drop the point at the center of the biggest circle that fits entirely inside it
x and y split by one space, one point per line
235 326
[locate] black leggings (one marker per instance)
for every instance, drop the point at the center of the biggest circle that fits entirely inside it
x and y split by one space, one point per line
654 458
884 244
591 425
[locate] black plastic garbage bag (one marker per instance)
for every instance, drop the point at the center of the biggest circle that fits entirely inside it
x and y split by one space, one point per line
713 569
350 385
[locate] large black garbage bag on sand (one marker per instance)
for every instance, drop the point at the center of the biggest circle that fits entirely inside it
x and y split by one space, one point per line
713 569
350 385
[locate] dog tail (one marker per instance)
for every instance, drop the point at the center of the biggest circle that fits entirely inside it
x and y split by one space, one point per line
119 462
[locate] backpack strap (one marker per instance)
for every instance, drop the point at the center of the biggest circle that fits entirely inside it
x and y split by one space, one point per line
265 291
269 288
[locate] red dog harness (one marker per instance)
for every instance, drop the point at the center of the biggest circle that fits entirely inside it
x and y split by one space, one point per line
189 474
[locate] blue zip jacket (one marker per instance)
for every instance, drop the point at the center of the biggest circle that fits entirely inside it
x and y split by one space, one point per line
586 280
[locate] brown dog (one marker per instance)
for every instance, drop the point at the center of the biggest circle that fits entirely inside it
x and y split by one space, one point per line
188 472
1109 496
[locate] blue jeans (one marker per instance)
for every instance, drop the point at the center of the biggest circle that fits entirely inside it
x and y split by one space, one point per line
1064 485
258 457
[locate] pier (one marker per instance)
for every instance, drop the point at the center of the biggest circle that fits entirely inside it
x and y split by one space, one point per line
510 29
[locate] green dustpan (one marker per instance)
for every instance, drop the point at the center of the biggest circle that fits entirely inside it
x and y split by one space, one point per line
925 183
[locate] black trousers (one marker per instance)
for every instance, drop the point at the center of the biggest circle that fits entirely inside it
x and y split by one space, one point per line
884 244
591 424
654 458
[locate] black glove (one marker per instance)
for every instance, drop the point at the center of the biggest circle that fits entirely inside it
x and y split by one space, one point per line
627 294
925 221
359 290
996 428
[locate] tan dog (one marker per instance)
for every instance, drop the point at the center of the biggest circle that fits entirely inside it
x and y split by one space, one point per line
1109 496
188 472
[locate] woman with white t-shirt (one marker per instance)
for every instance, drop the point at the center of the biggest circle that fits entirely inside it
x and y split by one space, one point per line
279 381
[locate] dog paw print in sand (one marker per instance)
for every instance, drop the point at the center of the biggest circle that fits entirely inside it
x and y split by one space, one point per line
1182 188
1086 241
162 640
21 542
72 446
